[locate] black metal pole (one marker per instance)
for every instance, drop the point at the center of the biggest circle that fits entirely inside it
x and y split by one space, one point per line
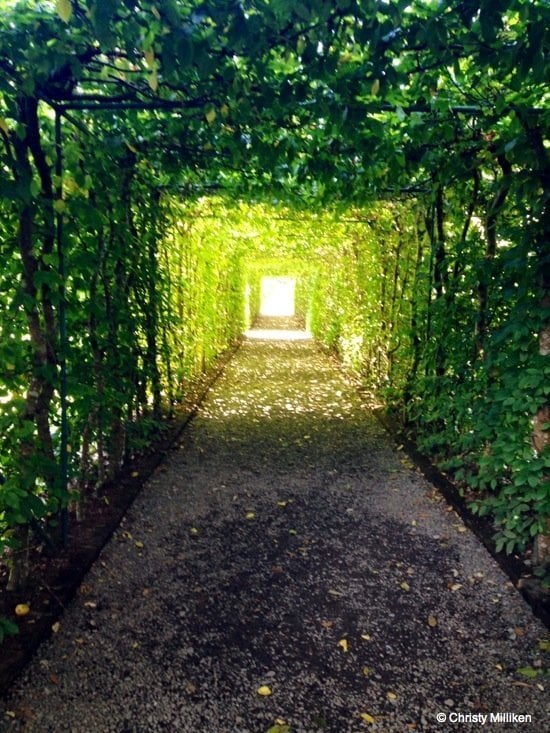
62 315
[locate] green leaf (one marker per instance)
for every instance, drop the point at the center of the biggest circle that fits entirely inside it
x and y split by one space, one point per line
210 113
7 628
64 9
301 11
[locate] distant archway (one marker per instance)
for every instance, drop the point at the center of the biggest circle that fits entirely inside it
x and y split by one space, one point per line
277 296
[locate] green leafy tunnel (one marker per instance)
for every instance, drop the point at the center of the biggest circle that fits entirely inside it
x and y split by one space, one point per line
158 159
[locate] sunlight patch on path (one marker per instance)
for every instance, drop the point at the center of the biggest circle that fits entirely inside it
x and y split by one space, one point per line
277 334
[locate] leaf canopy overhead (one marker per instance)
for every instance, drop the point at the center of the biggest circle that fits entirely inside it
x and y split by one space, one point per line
313 99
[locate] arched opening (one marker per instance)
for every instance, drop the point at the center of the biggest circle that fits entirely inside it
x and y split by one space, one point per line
277 296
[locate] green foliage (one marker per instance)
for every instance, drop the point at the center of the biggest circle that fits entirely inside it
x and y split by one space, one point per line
391 156
532 672
7 628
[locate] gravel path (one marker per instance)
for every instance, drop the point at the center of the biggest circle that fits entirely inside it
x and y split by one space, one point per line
287 547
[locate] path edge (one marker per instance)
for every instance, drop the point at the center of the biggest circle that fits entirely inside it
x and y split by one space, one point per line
17 651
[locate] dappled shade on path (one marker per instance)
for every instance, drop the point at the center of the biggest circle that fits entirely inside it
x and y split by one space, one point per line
286 547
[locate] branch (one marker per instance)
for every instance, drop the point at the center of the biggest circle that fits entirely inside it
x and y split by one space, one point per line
9 152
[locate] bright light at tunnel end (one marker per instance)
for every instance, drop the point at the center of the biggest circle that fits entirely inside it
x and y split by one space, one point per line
277 334
278 301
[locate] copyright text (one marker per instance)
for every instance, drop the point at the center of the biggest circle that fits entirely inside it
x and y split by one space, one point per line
483 718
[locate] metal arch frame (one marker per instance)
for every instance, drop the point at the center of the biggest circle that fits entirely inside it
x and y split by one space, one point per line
109 103
60 108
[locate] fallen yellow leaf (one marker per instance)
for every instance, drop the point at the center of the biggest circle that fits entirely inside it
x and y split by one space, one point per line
56 627
366 637
368 718
391 696
194 530
22 609
405 586
264 690
250 515
366 671
344 644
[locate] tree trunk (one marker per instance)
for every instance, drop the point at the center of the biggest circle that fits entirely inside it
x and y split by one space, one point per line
483 288
19 561
151 312
415 325
441 277
541 437
41 324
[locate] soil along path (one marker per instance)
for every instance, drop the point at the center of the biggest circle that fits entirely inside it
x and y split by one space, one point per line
286 548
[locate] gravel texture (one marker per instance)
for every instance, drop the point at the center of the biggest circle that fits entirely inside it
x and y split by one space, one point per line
286 543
